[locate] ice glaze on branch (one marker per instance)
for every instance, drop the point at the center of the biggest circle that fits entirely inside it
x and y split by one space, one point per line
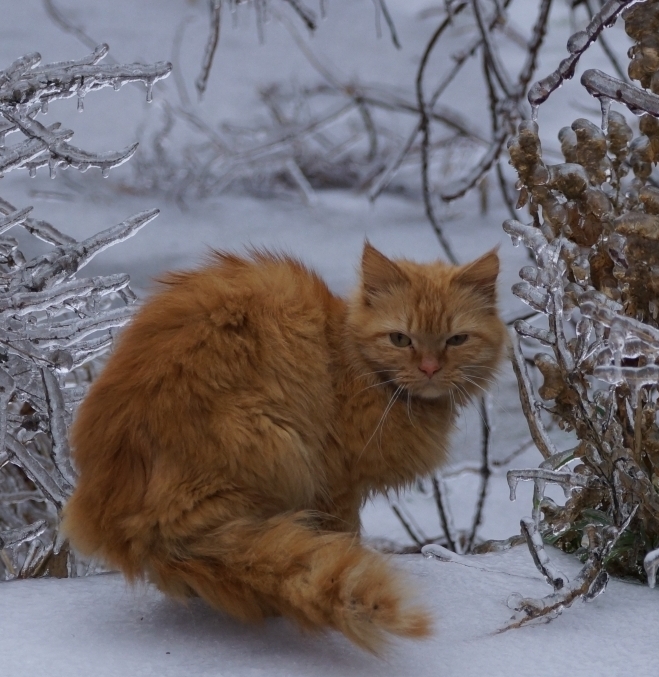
26 90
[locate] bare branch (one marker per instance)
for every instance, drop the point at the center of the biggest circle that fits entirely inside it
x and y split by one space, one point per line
211 46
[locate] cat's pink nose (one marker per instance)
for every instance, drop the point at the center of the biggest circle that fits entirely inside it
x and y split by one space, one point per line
429 366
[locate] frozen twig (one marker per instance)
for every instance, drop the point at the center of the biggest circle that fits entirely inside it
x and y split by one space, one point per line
536 426
577 45
603 86
26 89
13 537
211 46
444 510
587 584
381 6
556 578
485 472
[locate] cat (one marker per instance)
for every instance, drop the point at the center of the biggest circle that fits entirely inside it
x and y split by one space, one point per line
247 413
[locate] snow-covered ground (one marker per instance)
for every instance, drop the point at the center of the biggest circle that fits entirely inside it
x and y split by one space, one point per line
99 626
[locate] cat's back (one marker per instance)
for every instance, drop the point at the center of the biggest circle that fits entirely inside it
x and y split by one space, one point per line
235 318
233 354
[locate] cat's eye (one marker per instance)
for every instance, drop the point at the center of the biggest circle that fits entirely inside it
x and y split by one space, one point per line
400 340
457 339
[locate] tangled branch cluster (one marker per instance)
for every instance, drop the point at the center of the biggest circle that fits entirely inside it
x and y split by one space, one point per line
347 133
595 240
52 322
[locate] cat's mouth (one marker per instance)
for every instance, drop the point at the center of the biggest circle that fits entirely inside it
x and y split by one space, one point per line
425 388
439 386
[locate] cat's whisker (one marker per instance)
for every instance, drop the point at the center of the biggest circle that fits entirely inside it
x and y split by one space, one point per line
375 385
370 373
409 408
464 392
452 401
390 404
466 378
466 370
470 401
491 382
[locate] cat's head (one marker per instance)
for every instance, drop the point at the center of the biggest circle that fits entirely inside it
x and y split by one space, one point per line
432 328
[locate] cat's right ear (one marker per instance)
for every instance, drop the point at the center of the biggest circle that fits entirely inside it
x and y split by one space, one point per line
379 274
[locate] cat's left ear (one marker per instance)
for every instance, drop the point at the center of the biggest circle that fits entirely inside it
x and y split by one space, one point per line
482 274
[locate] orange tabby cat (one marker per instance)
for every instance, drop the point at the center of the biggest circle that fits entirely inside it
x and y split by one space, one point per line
247 413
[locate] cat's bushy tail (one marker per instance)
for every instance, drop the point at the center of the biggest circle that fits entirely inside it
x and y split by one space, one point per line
253 569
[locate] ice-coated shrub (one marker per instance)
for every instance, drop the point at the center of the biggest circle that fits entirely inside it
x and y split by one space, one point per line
53 322
594 237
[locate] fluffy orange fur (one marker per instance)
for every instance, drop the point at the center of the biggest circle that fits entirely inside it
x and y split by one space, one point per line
247 413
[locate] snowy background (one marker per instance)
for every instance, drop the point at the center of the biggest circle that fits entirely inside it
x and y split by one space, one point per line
100 626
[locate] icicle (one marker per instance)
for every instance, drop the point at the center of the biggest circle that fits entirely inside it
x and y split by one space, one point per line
534 112
105 171
149 91
81 101
605 104
651 564
513 481
32 171
52 167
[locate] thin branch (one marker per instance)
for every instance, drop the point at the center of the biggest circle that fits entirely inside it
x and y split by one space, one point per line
176 61
485 472
305 14
444 513
536 426
381 6
577 44
211 46
424 128
491 51
56 15
407 526
606 48
534 45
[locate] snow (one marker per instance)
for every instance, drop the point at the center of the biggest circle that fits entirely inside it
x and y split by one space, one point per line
99 625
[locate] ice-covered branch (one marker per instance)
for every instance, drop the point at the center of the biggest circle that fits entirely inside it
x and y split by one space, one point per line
66 260
211 46
590 582
607 88
26 90
576 45
536 426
